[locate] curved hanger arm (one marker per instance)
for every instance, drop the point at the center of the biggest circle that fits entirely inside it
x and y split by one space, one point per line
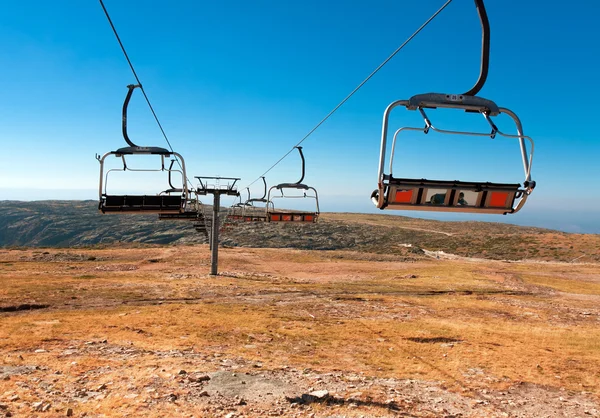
485 49
131 87
265 189
303 166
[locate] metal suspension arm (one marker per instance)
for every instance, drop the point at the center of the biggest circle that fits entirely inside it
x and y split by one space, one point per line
485 49
303 165
265 189
131 87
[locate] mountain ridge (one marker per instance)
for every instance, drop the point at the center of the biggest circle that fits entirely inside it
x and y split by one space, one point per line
77 223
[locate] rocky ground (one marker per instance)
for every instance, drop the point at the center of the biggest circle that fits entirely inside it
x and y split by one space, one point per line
215 385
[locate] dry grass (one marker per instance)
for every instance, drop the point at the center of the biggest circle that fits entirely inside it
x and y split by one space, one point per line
469 325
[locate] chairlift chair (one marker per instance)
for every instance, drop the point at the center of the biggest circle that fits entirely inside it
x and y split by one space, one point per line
284 215
451 196
252 212
235 211
169 201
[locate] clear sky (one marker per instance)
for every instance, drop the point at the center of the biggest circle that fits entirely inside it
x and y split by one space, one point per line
236 84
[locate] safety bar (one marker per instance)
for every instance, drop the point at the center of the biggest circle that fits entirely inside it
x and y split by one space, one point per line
119 155
293 186
145 170
250 208
482 108
492 134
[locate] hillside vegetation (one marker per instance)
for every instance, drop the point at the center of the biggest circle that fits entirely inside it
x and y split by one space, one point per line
78 223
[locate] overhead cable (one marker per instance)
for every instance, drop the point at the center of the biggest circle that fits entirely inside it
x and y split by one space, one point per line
410 38
139 82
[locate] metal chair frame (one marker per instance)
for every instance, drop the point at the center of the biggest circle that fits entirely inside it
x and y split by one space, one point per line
165 201
282 215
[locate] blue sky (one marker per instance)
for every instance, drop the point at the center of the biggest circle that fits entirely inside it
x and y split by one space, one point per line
236 84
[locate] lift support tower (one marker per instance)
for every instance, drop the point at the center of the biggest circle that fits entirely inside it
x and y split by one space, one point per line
216 189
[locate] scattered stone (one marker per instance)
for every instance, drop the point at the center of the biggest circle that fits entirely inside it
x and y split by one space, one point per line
14 398
101 387
182 372
69 412
203 393
40 350
315 396
172 397
46 407
38 405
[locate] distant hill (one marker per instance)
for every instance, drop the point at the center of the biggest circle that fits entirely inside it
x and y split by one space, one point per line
78 223
50 223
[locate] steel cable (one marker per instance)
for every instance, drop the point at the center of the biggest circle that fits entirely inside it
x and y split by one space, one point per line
410 38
